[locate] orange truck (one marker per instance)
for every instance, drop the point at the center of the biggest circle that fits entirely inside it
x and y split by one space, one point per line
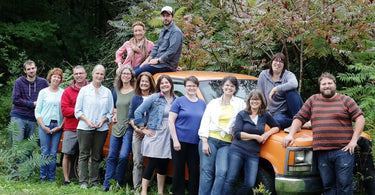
291 170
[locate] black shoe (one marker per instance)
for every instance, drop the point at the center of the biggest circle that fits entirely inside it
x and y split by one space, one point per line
105 189
66 183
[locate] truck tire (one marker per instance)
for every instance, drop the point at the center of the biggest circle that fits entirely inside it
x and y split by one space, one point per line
364 165
74 167
267 179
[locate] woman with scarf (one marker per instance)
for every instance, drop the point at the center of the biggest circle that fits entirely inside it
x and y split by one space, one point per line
138 48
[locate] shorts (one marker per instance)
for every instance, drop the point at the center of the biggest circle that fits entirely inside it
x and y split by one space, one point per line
70 143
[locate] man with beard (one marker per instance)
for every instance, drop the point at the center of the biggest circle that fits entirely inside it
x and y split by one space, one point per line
24 96
334 137
167 51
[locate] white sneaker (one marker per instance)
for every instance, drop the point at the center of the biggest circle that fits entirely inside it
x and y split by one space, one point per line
83 186
307 125
287 130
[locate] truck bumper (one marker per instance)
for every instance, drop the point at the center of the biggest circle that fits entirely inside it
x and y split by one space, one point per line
306 185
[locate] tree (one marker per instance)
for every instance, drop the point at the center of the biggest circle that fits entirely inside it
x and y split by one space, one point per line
309 29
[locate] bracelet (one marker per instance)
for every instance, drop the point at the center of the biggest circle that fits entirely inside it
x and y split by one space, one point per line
158 61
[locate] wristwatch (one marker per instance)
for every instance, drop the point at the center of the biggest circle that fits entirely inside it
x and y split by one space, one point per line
158 61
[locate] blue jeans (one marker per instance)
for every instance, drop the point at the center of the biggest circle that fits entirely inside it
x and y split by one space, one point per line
336 171
295 103
214 166
26 128
151 69
49 144
114 147
236 161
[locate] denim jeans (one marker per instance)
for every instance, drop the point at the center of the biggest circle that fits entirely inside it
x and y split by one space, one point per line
236 161
295 103
90 145
151 69
113 156
336 171
137 161
214 166
187 155
49 144
26 128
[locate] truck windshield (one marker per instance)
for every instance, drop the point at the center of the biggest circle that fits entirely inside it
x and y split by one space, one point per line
211 89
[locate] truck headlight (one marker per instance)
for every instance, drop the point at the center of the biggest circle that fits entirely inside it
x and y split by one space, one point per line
300 160
304 156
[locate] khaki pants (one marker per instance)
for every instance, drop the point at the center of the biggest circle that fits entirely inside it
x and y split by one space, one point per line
90 142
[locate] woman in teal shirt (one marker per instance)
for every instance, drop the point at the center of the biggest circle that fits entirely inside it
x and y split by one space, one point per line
49 117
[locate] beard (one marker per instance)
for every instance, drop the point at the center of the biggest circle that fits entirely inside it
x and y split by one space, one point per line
328 94
167 23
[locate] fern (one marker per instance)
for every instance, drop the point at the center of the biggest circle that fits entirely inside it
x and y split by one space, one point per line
23 160
360 77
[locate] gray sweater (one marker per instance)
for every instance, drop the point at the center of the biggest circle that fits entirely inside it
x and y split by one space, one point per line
287 82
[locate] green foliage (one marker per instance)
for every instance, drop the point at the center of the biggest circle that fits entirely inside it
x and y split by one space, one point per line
22 160
261 190
6 105
360 80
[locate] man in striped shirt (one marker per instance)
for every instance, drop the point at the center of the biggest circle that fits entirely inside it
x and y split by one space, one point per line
334 137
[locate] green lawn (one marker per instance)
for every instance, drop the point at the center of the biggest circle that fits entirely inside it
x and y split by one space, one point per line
34 186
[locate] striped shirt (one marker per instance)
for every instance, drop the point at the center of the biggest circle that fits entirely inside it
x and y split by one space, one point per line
331 120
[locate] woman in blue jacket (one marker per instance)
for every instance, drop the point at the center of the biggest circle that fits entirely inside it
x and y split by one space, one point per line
249 133
156 143
144 87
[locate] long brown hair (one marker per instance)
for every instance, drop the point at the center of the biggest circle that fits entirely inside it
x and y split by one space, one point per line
137 88
278 56
256 93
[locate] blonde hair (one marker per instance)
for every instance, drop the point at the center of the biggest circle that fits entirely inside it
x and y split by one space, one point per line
144 47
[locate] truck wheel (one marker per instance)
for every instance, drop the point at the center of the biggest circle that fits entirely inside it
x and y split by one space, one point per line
267 179
74 167
364 166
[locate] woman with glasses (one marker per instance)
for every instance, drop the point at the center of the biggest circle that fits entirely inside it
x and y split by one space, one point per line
249 133
184 120
122 132
279 88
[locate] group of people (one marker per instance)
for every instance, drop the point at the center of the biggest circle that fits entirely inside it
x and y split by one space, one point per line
214 140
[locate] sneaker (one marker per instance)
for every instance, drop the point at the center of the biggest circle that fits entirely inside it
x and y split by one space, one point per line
83 186
66 183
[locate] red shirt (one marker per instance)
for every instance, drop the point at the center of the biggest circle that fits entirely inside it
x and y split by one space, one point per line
68 102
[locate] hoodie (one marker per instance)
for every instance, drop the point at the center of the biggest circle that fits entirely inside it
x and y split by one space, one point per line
25 93
68 102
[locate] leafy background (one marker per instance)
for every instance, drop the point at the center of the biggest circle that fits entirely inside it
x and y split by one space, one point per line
238 36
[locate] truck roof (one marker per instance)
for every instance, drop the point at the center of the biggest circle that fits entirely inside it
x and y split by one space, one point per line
206 75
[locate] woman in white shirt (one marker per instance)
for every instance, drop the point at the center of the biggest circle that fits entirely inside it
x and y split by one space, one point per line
94 109
216 136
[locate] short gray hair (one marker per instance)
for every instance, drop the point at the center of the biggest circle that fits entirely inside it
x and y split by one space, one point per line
98 67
